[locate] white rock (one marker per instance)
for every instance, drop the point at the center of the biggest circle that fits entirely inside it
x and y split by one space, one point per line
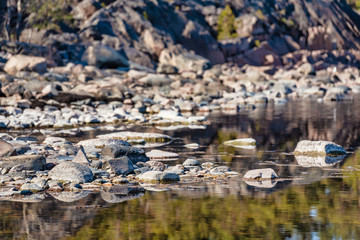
318 148
265 173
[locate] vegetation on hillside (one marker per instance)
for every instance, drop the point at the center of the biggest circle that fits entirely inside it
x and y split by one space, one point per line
226 24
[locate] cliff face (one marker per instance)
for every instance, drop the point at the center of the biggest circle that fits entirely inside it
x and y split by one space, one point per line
264 32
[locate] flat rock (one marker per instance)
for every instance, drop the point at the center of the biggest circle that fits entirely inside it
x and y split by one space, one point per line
265 173
32 187
70 171
161 155
158 176
101 142
147 137
29 162
318 148
242 143
220 169
25 63
119 166
6 149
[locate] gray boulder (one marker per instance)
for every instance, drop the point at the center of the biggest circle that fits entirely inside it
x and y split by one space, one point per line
116 151
70 171
81 157
104 57
119 166
6 149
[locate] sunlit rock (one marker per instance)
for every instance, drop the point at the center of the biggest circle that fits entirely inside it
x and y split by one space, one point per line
264 173
150 139
158 176
318 148
248 143
70 171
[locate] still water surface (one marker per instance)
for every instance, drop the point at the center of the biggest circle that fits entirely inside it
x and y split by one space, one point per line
310 202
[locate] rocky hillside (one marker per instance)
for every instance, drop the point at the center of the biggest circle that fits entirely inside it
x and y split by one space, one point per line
187 34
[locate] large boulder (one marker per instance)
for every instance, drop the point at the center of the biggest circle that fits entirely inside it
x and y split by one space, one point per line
104 57
25 63
115 151
29 162
184 61
70 171
6 149
318 148
119 166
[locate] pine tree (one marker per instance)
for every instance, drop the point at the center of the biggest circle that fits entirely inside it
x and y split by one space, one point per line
226 24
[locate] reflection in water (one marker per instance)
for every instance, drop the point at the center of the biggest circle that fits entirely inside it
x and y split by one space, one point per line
319 161
322 202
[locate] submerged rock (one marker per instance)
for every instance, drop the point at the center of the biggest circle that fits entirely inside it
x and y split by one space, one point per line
265 173
318 148
69 196
70 171
242 142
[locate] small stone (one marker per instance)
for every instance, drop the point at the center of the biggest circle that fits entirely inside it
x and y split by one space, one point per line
191 162
220 169
207 165
242 142
156 165
192 145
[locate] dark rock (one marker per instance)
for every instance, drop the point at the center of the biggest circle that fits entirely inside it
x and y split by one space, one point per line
116 194
116 151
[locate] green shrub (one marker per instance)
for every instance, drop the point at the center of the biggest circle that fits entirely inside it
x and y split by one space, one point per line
48 14
226 24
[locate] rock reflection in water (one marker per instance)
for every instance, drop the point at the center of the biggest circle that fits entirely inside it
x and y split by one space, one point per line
117 194
318 161
69 196
262 184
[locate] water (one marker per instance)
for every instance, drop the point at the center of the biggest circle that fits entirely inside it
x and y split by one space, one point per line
307 203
